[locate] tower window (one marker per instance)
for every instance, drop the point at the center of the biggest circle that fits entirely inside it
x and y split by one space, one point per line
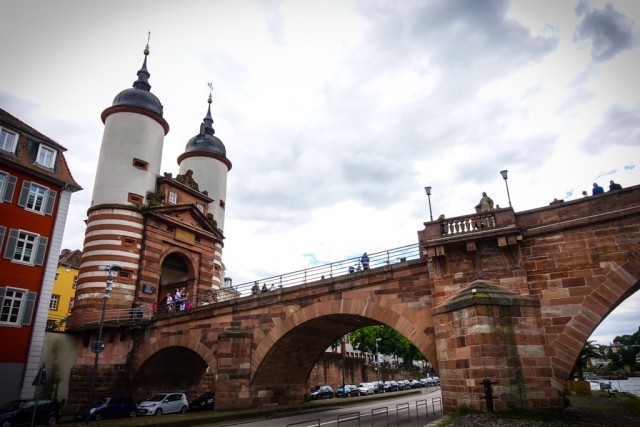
135 198
200 208
222 204
173 198
128 241
140 164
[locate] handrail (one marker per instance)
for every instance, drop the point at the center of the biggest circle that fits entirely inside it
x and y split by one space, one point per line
325 271
295 278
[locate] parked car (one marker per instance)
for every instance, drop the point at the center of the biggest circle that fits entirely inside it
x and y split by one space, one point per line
390 386
365 389
205 401
348 390
107 408
436 379
378 387
427 382
164 403
403 385
415 384
321 392
20 412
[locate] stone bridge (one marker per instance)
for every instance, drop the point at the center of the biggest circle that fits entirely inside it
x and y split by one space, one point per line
508 297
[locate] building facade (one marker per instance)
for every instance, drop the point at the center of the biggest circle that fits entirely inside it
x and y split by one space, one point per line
35 190
64 290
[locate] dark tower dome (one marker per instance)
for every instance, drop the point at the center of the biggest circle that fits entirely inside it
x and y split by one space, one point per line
139 95
206 141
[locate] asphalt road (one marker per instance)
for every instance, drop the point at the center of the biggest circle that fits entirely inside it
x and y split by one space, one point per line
396 409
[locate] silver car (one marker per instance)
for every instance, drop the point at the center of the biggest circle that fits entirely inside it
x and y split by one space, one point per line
164 403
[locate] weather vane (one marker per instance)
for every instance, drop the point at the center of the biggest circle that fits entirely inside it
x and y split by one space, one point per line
146 49
210 91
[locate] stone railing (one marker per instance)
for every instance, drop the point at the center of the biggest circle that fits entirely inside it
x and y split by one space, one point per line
468 224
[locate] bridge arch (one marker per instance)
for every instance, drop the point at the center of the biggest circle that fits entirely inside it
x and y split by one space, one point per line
613 287
305 334
148 350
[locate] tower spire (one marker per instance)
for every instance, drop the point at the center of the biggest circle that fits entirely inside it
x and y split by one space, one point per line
208 120
143 74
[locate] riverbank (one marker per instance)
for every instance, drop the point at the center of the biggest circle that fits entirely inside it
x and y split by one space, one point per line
597 410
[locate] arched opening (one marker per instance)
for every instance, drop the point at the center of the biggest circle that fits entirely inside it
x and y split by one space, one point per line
176 368
283 376
175 274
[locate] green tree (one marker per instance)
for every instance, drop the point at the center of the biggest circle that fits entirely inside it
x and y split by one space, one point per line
589 350
391 343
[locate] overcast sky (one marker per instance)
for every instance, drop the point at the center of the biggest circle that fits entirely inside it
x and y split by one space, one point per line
337 114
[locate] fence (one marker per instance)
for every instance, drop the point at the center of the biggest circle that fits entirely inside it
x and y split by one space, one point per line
325 271
381 416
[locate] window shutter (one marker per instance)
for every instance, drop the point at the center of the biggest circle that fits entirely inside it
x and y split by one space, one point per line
24 193
42 249
2 230
10 250
2 292
51 201
28 308
8 191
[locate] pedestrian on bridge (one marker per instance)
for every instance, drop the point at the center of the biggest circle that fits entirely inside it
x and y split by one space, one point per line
365 261
255 289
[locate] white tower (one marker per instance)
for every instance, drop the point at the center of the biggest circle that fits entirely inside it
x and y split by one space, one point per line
206 156
128 167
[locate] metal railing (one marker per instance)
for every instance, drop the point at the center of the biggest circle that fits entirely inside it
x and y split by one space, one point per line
325 271
273 283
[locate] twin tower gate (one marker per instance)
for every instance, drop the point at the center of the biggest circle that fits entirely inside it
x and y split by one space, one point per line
507 297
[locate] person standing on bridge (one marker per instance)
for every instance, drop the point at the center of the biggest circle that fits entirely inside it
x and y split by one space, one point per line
255 289
597 189
614 186
365 261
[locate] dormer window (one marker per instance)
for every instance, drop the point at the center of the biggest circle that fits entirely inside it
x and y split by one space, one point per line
8 140
46 156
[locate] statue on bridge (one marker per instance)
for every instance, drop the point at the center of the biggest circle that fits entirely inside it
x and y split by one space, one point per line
188 180
485 204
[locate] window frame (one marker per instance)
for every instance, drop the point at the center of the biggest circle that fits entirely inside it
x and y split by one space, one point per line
43 148
48 198
173 198
3 139
38 249
54 302
7 186
26 306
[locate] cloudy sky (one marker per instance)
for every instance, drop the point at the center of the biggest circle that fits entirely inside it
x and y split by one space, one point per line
337 114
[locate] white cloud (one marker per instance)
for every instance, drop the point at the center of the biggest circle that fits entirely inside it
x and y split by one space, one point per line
336 114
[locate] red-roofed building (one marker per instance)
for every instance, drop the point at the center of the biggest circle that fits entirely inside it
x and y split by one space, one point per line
35 191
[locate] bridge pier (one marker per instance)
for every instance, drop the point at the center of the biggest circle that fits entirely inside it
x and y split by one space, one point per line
489 333
233 378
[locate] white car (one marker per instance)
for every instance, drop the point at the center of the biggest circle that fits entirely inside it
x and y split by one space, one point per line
366 388
164 403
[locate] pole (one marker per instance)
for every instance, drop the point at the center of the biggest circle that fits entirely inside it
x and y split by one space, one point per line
508 196
98 344
430 213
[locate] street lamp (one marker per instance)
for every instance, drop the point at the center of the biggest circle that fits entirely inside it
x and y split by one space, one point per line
428 190
378 359
504 176
97 346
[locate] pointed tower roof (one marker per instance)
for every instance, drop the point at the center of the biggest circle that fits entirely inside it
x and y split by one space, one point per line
206 141
139 95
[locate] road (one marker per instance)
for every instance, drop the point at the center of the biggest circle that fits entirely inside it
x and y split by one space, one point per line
397 409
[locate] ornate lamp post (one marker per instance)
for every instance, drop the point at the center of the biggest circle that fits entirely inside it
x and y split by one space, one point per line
97 346
504 176
428 190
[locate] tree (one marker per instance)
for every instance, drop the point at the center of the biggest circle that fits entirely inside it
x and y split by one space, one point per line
391 343
588 351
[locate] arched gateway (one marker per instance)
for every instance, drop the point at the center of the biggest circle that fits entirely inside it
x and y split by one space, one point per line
512 302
